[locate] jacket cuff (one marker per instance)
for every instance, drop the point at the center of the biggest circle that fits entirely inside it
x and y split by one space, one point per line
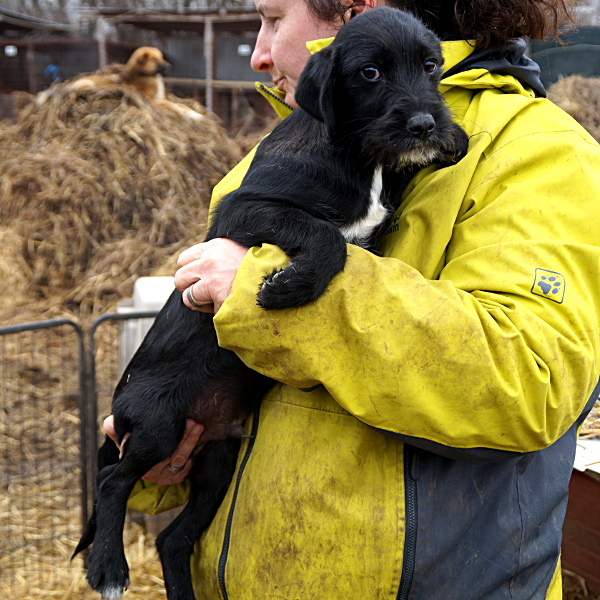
153 499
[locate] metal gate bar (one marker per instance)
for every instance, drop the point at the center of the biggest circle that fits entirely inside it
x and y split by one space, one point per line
92 381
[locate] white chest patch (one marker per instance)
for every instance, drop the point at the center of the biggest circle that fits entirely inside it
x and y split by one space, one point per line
360 230
160 91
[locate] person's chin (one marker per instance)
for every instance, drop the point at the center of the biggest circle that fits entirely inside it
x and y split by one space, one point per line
289 99
283 86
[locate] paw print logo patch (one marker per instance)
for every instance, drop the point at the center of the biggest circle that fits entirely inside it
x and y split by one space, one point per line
549 284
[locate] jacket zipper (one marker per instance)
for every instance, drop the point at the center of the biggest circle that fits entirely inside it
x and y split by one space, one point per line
226 539
410 531
266 90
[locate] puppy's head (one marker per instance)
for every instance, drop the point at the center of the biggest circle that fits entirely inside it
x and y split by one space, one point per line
147 61
378 83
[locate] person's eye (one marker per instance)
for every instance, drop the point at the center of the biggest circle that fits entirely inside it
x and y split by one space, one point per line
270 21
371 73
430 66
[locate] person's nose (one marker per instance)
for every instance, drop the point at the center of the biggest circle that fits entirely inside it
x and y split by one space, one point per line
261 57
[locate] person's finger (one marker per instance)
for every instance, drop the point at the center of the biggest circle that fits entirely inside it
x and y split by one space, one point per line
189 274
189 255
160 473
200 295
192 434
109 427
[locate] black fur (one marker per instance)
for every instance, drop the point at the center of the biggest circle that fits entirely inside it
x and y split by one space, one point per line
310 181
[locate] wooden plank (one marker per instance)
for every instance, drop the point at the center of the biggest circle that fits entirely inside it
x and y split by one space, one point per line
209 58
586 536
581 531
581 561
30 57
221 84
584 500
102 49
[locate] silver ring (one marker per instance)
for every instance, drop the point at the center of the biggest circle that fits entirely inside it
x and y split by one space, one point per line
175 469
191 299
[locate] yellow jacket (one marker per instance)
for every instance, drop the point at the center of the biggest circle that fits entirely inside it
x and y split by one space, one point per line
474 338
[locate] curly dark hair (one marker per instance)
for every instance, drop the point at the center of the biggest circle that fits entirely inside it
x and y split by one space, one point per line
488 22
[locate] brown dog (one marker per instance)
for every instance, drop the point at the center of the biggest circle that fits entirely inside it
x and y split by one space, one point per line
143 71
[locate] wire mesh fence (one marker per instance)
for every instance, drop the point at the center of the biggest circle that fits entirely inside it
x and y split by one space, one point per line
54 393
41 443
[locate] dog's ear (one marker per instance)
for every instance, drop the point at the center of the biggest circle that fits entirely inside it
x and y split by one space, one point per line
142 59
316 85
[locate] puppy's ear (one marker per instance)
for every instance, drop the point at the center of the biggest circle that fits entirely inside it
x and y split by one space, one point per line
316 86
142 59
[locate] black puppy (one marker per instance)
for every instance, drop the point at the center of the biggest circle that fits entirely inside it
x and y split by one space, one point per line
331 173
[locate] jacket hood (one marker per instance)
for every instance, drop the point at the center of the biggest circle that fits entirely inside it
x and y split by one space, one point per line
509 60
505 68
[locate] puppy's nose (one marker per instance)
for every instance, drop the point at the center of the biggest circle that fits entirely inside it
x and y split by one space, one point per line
164 67
421 125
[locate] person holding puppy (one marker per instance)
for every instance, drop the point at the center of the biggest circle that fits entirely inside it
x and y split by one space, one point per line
420 443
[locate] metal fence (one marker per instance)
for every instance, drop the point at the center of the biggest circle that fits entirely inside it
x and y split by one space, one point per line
33 64
54 391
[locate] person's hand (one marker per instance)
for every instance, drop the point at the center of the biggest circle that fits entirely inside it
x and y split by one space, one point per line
210 268
161 473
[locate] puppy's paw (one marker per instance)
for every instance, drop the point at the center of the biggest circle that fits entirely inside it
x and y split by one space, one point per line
108 575
458 148
272 289
286 288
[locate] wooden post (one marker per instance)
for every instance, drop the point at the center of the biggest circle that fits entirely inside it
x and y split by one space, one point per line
30 57
235 108
209 58
581 531
102 51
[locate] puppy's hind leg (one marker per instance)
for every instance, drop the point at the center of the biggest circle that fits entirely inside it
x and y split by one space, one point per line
108 572
210 477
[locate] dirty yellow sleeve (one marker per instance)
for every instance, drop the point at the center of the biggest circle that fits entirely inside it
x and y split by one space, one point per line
480 326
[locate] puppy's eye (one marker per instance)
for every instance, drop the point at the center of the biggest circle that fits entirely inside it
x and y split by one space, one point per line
430 66
371 73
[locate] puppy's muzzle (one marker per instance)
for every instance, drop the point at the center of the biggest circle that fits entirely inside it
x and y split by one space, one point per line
421 125
163 67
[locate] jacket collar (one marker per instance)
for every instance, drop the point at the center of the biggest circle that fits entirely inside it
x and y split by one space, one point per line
507 69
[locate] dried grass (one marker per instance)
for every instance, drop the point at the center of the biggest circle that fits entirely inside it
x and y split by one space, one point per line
98 188
575 587
580 97
38 576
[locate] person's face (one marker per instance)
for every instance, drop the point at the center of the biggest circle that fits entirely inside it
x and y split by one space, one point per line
286 26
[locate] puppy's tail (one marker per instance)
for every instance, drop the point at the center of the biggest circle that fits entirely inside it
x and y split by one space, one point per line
108 454
88 535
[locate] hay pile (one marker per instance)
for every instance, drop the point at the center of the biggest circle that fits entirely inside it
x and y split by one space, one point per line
98 188
580 97
575 587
